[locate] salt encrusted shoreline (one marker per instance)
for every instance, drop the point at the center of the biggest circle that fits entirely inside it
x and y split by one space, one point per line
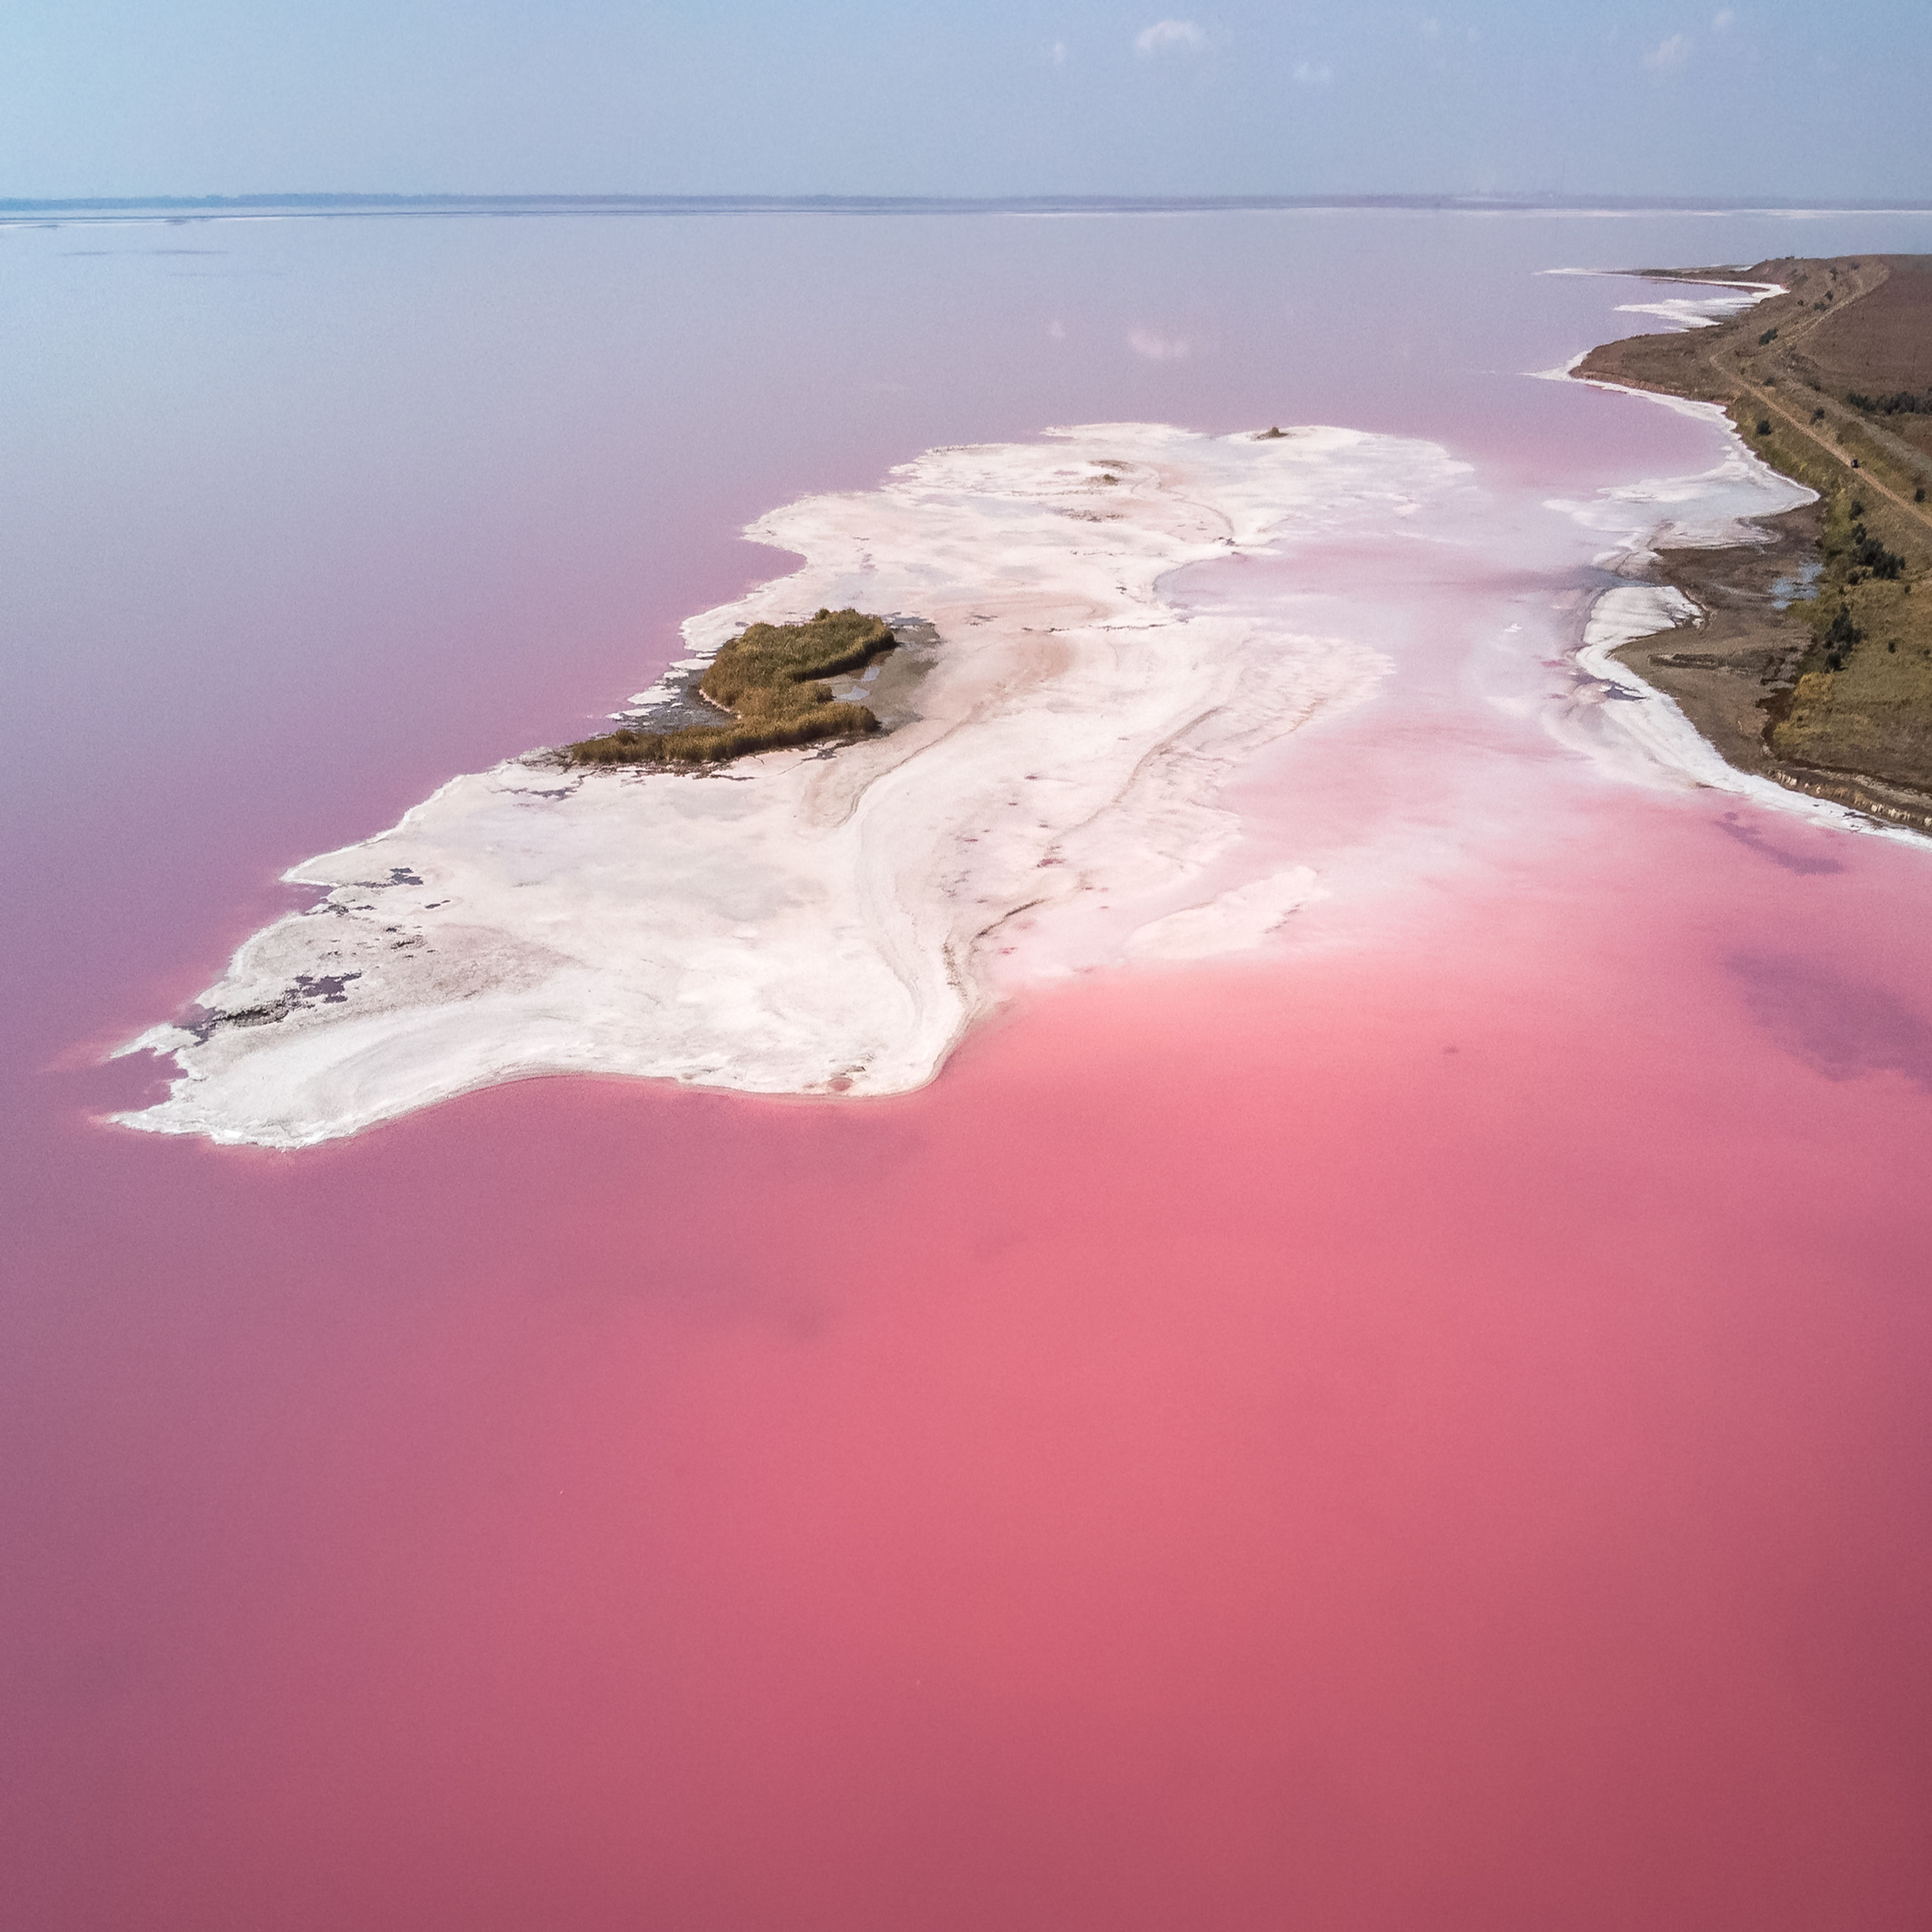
1750 658
808 922
1625 723
1722 508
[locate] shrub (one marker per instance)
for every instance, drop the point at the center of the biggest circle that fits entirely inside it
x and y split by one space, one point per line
1769 336
1868 554
1841 634
767 677
1902 402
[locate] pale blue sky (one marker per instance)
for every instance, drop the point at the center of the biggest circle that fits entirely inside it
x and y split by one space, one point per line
965 97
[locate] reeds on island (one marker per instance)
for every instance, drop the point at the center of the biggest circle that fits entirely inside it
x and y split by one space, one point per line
767 678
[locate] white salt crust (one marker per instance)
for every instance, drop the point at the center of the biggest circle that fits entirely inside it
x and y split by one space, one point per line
1704 311
808 922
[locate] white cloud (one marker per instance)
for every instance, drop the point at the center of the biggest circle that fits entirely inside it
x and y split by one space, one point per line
1725 20
1057 53
1313 73
1159 348
1667 56
1165 35
1431 29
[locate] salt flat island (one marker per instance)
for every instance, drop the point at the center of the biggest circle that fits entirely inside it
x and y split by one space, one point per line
828 917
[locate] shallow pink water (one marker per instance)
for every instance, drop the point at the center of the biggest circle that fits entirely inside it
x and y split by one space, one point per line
1446 1443
1437 1437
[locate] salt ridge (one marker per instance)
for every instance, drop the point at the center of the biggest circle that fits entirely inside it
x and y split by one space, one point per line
807 923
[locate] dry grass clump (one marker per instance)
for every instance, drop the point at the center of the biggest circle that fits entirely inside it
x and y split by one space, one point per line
766 677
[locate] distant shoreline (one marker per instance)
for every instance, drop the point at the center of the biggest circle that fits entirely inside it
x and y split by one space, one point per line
24 212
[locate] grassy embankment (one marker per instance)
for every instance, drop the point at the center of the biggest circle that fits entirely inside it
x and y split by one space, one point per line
1806 377
767 677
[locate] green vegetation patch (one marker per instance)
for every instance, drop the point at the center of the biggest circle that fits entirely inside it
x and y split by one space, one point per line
767 678
1862 701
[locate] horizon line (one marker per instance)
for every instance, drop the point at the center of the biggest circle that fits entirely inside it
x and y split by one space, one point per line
317 203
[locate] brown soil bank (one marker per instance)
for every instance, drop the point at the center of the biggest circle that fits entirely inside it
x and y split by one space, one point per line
1825 686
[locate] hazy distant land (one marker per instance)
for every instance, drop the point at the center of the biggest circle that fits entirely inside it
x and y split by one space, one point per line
179 208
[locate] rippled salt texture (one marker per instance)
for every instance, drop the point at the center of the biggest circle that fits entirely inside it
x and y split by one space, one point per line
806 921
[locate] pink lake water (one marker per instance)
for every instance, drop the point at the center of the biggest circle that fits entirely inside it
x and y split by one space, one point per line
1431 1432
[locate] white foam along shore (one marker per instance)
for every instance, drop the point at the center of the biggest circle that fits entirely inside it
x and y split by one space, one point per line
1687 311
808 921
